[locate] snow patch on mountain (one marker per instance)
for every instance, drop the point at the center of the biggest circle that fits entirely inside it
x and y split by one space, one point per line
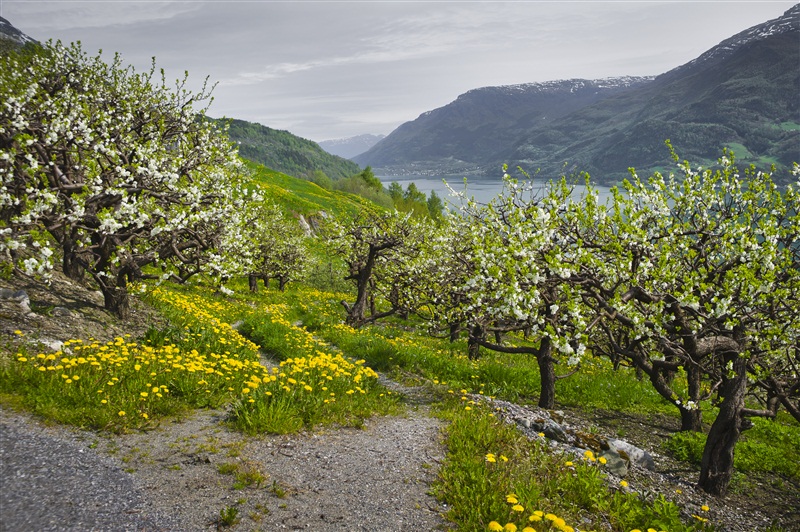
789 21
565 85
10 32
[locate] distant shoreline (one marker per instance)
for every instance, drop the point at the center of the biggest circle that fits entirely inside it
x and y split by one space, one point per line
481 189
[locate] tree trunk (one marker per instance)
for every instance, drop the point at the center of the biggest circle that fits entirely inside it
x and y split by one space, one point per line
266 281
116 300
473 347
454 330
547 372
282 280
716 467
252 280
70 264
691 419
358 311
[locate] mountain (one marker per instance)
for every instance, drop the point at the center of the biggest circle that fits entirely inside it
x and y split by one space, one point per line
350 146
744 94
465 134
11 37
9 32
285 152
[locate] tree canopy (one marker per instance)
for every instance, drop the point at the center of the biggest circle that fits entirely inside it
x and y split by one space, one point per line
109 169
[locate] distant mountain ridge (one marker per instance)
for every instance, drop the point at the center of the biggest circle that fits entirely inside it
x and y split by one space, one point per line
743 94
351 146
463 135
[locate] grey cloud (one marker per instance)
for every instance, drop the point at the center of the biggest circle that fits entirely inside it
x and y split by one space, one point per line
332 69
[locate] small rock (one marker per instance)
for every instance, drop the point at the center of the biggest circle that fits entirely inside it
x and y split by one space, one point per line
554 431
55 345
21 296
614 463
637 456
13 295
62 312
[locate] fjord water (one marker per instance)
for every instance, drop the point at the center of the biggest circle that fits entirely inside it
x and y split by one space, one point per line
481 190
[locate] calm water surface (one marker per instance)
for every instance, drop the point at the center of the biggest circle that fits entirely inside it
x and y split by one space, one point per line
482 190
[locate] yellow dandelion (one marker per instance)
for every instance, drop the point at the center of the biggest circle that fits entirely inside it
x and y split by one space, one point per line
491 458
623 483
511 498
518 508
495 526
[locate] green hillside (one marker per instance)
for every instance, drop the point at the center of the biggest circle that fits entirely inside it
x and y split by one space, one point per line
286 152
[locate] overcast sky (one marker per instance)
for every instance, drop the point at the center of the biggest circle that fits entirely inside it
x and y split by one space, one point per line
333 69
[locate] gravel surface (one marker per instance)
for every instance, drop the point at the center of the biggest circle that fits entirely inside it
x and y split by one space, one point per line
183 474
51 480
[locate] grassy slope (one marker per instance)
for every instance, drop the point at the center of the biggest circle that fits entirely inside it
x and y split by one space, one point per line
298 196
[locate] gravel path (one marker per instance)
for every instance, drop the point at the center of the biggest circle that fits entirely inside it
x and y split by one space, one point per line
51 480
181 475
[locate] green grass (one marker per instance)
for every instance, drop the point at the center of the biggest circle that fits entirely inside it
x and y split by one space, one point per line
197 361
763 448
789 126
492 473
298 196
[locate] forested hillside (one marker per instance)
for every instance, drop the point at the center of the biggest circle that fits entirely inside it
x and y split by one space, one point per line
287 153
463 136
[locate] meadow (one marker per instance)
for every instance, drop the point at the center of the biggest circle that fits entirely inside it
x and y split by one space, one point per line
283 362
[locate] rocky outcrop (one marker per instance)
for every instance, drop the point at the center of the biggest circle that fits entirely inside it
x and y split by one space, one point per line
555 427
